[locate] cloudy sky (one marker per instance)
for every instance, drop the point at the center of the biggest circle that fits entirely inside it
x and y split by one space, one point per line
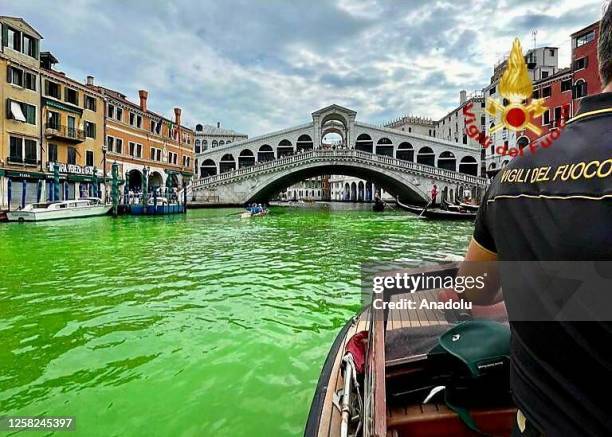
262 65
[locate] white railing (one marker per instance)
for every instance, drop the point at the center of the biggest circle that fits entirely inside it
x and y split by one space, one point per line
341 155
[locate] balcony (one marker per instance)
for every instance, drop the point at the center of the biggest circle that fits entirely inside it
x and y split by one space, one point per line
68 134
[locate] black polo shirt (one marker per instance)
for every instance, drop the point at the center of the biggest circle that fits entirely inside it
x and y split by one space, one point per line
556 205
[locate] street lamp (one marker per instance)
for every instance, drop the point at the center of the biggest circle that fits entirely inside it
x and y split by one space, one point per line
104 150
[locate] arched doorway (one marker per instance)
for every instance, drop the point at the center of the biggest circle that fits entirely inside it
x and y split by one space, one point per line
353 192
347 192
265 153
468 165
384 147
335 123
405 152
360 189
332 139
246 159
447 161
285 148
364 143
426 156
304 143
227 163
208 168
155 181
134 180
368 191
522 142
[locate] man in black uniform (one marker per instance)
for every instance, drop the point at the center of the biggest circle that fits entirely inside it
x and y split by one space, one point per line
561 371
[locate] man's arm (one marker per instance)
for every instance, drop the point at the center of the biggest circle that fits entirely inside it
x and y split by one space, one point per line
481 262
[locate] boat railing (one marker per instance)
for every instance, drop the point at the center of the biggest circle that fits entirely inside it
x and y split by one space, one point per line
341 154
374 402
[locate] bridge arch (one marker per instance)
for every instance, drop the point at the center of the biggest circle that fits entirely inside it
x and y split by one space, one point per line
285 148
392 182
426 156
265 153
304 143
227 163
384 147
364 143
246 159
447 161
468 165
208 168
405 152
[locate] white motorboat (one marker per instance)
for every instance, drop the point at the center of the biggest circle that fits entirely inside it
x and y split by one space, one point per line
36 212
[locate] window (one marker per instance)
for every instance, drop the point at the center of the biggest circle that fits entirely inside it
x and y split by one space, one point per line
71 96
546 117
153 154
551 52
119 114
586 38
110 111
118 145
152 126
16 149
557 114
29 81
52 152
581 63
492 91
536 94
546 91
90 129
544 74
110 142
14 39
135 120
71 155
566 85
30 46
53 120
31 151
138 121
139 150
19 111
90 103
580 89
52 89
14 76
89 158
132 148
135 150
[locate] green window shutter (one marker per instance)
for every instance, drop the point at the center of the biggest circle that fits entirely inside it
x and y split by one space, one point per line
4 35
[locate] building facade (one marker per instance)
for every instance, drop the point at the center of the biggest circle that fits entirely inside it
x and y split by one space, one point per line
152 151
208 137
72 138
22 174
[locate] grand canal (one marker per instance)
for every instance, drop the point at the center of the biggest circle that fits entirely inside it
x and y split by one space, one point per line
202 324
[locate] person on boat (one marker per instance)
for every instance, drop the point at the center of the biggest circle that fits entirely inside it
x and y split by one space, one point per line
558 368
434 194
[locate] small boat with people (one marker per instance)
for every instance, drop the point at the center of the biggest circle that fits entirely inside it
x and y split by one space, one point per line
431 212
36 212
255 210
402 370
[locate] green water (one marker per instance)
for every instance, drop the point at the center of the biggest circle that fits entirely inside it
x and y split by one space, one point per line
194 325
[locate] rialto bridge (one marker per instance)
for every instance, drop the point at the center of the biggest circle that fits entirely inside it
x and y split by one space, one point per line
401 163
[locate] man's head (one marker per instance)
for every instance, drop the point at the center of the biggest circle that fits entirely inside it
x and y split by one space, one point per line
605 48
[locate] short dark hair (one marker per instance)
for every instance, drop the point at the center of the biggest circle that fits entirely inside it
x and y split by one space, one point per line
605 46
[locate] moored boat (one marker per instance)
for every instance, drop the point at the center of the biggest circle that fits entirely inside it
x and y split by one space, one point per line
438 213
66 209
394 388
157 206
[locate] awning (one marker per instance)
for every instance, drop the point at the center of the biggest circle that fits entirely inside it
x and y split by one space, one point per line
16 112
23 174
